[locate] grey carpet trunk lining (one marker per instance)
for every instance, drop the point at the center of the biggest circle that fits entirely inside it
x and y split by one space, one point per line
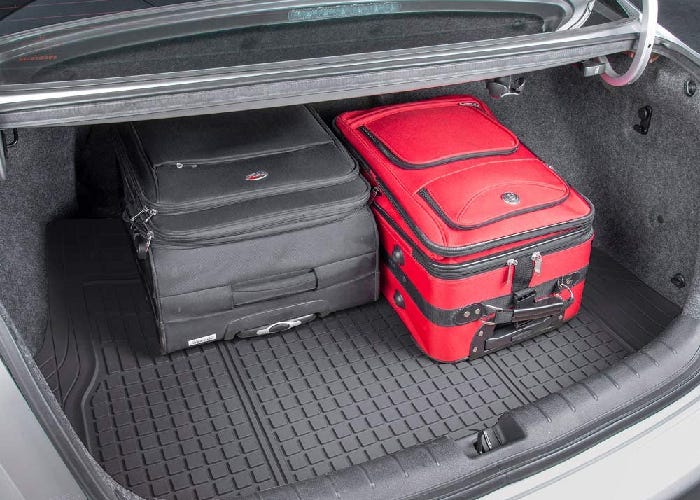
233 418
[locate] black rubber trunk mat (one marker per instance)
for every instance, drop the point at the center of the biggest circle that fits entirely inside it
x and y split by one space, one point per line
237 417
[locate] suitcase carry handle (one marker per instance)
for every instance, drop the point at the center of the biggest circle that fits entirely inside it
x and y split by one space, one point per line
274 288
544 308
277 319
516 335
530 320
279 326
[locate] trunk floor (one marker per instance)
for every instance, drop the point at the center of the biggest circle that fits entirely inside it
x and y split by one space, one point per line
237 417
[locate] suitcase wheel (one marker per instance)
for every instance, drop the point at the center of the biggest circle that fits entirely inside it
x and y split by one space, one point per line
142 247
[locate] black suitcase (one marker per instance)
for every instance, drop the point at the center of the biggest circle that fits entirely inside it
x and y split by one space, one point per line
247 223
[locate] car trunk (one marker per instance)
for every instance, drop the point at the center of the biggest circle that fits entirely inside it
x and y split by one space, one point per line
239 417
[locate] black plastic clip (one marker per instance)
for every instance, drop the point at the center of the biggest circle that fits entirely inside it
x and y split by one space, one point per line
487 440
3 151
644 114
505 86
526 295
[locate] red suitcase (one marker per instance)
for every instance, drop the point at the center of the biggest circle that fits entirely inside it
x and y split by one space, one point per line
483 244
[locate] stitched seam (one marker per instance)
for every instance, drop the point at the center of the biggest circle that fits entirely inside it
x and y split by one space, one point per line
494 186
375 155
431 104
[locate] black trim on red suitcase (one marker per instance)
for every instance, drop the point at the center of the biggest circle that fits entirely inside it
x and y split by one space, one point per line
473 312
584 222
486 245
418 166
425 194
469 268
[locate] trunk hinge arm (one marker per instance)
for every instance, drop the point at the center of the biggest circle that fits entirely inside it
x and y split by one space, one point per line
647 34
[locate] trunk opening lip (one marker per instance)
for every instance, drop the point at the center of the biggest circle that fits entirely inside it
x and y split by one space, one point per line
661 395
38 396
672 415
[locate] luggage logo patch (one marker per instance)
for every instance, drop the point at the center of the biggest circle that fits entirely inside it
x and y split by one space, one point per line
256 176
510 198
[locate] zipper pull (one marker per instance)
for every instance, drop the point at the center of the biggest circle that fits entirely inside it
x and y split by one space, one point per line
140 212
142 218
374 192
537 261
512 264
151 212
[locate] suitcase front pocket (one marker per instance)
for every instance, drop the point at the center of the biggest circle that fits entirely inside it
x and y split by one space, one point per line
482 195
438 133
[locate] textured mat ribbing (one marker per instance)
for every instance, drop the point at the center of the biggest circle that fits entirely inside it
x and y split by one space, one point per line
238 417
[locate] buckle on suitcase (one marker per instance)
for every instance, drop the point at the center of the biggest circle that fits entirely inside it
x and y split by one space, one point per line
550 306
530 319
499 338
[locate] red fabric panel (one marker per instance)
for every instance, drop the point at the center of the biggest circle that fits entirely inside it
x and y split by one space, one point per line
457 187
460 203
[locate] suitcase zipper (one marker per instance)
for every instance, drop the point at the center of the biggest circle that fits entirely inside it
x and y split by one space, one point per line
194 163
435 206
536 262
384 111
582 222
508 258
513 256
386 150
178 209
512 264
195 238
143 216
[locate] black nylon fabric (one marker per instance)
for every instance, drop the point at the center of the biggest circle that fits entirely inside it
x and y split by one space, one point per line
247 220
195 163
522 275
